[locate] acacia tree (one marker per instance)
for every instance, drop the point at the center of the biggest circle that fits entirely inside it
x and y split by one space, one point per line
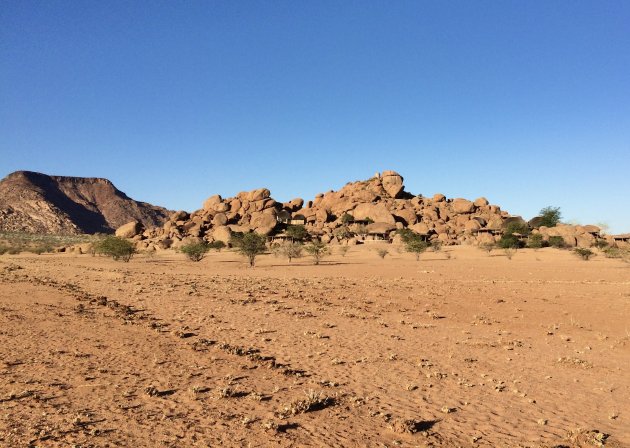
195 251
551 216
416 246
252 245
317 250
115 247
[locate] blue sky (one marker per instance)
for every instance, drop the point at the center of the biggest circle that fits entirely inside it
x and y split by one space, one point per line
525 103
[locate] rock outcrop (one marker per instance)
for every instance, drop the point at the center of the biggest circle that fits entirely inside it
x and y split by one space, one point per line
573 235
372 209
38 203
375 206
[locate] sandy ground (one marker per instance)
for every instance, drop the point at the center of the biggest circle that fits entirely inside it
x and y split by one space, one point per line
459 349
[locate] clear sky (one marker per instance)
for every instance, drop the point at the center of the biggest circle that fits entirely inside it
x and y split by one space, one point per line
524 102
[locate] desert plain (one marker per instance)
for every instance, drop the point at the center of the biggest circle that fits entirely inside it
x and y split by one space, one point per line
459 349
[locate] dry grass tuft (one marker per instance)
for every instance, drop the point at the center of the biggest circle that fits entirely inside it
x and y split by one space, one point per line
313 401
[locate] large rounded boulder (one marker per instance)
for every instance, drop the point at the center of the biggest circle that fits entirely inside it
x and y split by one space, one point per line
463 206
392 183
375 212
130 229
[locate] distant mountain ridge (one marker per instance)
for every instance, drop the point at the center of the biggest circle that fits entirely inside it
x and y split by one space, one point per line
39 203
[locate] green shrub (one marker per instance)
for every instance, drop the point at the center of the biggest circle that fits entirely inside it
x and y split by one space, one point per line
297 232
416 246
535 241
343 250
115 247
195 251
252 245
217 245
347 218
382 252
436 245
406 235
612 252
517 227
557 242
550 216
509 241
509 252
601 244
343 233
291 250
583 253
41 249
236 239
317 250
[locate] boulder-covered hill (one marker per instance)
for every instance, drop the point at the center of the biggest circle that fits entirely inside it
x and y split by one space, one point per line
38 203
360 211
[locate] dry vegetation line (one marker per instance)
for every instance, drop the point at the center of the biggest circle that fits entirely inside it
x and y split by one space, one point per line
310 402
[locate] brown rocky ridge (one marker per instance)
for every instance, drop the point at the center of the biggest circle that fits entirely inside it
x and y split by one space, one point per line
37 203
361 211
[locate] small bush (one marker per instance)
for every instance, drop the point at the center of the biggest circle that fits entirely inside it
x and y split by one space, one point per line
436 245
115 247
509 241
343 233
583 253
360 229
511 235
343 250
317 250
535 241
601 244
416 246
612 252
382 252
517 227
217 245
291 250
487 247
41 249
509 252
195 251
276 249
557 242
347 218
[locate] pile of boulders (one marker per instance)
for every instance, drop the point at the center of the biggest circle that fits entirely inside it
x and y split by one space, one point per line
375 206
380 202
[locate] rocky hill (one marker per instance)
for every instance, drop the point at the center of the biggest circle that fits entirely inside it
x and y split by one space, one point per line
38 203
359 212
